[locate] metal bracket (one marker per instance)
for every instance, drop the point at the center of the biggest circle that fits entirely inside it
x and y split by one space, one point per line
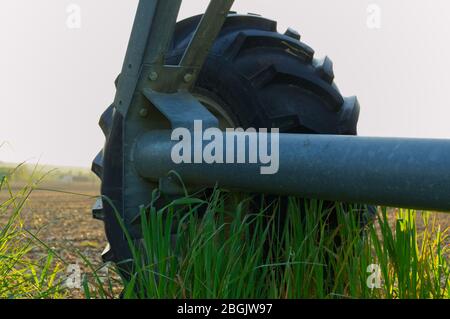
181 109
148 46
147 88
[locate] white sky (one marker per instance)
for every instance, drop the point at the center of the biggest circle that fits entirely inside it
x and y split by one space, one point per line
55 81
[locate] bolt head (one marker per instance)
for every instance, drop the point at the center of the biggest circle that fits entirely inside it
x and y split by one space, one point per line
188 77
143 112
153 76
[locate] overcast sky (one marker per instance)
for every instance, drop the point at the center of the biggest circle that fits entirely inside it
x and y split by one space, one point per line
56 80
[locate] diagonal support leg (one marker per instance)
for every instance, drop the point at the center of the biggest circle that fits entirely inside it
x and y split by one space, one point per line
207 31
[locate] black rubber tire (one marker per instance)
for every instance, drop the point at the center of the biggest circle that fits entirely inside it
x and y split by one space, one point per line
263 79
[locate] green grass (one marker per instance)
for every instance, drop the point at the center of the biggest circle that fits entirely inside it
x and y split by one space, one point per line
225 249
22 277
221 252
21 173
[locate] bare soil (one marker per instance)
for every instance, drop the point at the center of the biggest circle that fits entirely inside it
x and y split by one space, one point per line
61 217
63 220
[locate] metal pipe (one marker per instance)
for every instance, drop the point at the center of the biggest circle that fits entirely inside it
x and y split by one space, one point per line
395 172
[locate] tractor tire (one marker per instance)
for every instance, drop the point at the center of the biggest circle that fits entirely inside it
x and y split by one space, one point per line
256 77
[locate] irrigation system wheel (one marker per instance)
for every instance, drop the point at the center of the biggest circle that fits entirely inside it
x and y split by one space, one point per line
253 77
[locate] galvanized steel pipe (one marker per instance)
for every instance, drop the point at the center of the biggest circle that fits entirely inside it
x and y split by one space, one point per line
395 172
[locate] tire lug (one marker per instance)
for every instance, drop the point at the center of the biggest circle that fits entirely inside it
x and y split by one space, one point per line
324 68
107 255
293 34
97 210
